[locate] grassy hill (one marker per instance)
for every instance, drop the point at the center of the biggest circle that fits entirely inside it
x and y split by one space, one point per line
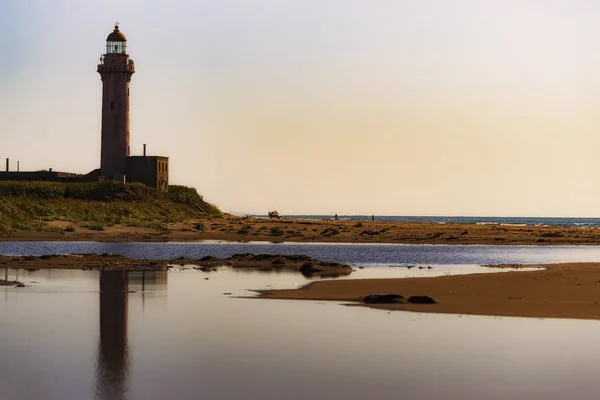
33 206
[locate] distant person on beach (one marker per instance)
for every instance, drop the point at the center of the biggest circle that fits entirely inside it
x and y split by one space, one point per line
336 217
373 217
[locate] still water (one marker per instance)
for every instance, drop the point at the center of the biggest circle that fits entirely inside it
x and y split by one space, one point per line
353 254
177 335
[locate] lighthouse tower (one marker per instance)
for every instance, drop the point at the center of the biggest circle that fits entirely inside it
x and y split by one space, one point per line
115 70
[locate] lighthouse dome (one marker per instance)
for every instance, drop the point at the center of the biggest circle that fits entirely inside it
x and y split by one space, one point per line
116 36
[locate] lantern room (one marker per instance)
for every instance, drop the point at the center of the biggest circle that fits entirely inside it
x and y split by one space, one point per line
116 42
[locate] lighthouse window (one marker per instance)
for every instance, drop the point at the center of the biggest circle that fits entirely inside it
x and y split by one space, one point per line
116 47
112 105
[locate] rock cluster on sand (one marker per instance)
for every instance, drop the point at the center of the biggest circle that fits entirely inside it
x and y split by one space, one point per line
304 264
396 298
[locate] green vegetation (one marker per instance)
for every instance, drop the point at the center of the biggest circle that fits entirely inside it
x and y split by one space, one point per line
96 227
244 230
275 231
31 205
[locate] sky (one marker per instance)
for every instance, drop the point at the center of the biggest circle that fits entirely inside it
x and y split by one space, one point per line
385 107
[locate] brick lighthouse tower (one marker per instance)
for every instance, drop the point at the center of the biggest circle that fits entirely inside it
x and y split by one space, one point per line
115 70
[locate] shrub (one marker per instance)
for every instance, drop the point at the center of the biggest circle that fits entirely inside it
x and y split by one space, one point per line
275 231
199 226
70 228
96 227
358 225
244 230
163 228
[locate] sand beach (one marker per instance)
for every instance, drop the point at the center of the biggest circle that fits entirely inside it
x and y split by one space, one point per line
569 290
233 228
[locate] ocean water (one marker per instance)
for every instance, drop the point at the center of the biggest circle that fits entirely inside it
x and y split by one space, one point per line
516 221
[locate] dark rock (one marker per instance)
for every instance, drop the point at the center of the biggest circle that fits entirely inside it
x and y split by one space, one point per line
383 298
370 232
209 258
421 300
330 232
20 285
278 263
45 257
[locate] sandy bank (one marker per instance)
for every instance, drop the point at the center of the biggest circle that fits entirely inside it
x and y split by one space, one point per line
231 228
560 291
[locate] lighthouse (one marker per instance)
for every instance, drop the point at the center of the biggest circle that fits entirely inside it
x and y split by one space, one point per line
116 69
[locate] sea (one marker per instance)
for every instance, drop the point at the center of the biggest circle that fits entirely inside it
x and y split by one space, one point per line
515 221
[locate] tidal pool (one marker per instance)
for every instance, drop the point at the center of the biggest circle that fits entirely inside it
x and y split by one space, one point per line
162 335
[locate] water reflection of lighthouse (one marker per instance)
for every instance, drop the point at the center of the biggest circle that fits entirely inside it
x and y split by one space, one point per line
113 358
112 366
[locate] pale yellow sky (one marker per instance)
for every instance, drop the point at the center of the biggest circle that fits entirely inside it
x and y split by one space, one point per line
431 107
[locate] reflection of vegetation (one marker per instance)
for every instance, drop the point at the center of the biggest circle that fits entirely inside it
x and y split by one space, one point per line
275 231
32 205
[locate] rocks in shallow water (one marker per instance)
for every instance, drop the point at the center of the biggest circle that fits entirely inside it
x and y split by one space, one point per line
383 298
380 298
304 264
421 300
11 283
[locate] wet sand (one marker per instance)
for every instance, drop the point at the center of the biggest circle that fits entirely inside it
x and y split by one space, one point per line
569 290
231 228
